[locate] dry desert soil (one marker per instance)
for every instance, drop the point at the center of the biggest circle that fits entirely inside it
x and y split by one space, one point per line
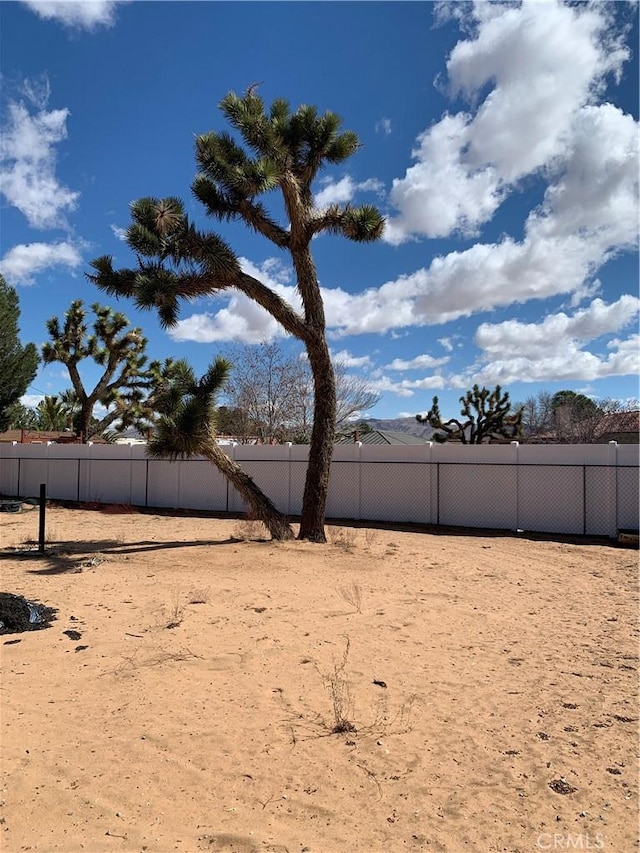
393 690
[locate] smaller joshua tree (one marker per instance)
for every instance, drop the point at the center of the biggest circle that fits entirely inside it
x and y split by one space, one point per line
185 426
114 346
485 415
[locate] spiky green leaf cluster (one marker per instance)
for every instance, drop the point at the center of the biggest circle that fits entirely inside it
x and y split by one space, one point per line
186 424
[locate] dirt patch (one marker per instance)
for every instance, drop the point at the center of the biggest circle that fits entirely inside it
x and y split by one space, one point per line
412 691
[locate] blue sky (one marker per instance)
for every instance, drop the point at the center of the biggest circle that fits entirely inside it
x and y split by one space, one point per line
500 141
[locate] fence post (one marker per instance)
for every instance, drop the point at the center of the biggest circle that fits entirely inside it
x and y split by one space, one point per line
359 446
289 466
42 516
613 489
516 445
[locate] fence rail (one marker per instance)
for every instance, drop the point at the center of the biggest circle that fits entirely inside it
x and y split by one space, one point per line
572 489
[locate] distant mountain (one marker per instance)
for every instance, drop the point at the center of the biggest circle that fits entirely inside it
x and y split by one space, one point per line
408 425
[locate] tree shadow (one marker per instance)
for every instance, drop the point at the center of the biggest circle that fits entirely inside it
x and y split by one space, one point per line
64 557
477 532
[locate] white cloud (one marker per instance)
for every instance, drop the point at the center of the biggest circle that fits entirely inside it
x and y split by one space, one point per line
544 63
550 337
23 262
572 363
120 233
31 400
80 14
346 359
241 320
420 362
446 344
384 126
28 162
555 348
344 190
404 388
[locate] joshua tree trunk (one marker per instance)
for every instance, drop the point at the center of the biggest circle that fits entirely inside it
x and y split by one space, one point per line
322 436
261 506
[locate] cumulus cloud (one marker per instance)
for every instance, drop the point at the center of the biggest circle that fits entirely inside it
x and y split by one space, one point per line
346 359
535 340
23 262
77 14
344 190
554 349
28 160
405 387
241 320
420 362
544 63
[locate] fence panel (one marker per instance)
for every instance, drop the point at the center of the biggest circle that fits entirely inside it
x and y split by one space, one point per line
551 499
34 469
163 483
62 479
343 497
628 497
202 486
269 468
591 489
9 476
472 495
600 498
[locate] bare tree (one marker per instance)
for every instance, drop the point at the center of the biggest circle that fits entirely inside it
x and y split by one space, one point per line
568 417
266 384
275 390
537 416
354 395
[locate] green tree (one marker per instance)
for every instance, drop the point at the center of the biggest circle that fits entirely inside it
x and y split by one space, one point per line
485 415
21 417
112 345
185 427
52 414
281 150
18 363
576 417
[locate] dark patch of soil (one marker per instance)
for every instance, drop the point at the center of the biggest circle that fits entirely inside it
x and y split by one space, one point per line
73 635
561 786
17 614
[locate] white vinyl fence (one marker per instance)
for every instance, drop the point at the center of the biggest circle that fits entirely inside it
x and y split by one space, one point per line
572 489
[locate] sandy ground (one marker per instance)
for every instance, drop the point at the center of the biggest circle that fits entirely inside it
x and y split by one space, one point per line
486 687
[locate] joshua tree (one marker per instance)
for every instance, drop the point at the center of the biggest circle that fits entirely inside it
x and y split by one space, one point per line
18 363
486 414
118 349
176 260
185 427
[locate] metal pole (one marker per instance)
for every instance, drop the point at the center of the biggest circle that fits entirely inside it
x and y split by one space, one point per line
43 511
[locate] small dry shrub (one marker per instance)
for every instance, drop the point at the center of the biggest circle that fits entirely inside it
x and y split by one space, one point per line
370 537
339 689
198 596
175 610
352 595
343 538
250 529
